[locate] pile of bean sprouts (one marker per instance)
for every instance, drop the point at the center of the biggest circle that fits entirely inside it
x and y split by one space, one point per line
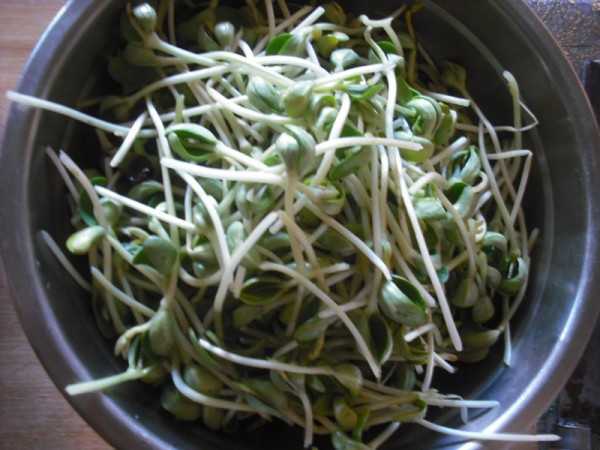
298 215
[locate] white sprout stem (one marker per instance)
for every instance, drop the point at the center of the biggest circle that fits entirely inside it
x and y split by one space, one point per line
267 364
308 417
193 111
459 403
334 134
513 88
145 209
223 174
377 225
282 26
120 295
508 154
308 20
208 203
356 303
270 18
149 273
396 164
353 239
460 223
133 134
423 181
488 436
240 157
445 98
296 231
285 60
69 112
236 258
247 113
522 186
430 367
382 437
62 258
180 78
87 186
210 58
441 362
329 302
198 397
341 142
63 174
238 281
332 79
415 333
460 144
437 286
102 383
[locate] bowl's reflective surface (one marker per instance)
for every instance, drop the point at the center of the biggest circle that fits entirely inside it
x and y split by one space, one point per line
487 36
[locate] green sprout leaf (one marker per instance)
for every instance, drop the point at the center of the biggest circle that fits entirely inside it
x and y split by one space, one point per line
157 253
401 301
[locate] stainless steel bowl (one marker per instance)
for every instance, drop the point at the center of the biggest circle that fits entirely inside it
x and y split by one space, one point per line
549 333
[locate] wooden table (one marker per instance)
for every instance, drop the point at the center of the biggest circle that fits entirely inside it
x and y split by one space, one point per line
33 413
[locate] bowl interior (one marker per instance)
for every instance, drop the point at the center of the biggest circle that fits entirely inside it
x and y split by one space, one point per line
487 37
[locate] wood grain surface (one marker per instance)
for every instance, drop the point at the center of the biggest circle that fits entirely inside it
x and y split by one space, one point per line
33 413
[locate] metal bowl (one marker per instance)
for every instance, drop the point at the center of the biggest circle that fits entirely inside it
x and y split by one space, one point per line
549 333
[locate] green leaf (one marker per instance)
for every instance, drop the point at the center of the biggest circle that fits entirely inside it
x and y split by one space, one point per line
326 44
514 276
343 413
404 376
493 239
350 164
130 76
466 293
157 253
85 207
236 235
465 165
202 380
429 208
297 99
461 195
423 154
478 338
161 335
350 377
194 132
344 58
483 310
178 405
276 44
363 91
341 441
265 390
410 412
244 315
263 95
401 301
334 13
311 329
80 242
205 40
428 115
377 334
145 189
261 290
